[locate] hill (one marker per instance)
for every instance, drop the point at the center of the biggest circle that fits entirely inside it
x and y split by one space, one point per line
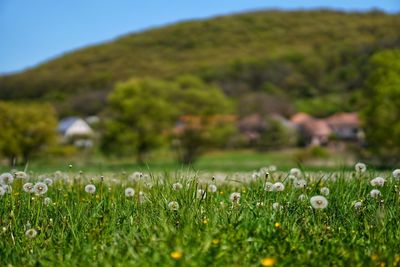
314 57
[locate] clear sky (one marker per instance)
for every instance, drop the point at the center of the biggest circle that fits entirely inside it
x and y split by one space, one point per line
33 31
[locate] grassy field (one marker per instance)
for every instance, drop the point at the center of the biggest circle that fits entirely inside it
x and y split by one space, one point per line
78 219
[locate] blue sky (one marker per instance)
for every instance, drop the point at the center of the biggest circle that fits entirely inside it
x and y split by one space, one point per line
35 31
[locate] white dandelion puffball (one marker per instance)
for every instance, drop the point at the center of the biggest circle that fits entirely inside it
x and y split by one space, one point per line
235 197
40 188
360 167
378 181
255 175
201 194
2 191
300 184
396 174
276 206
269 186
319 202
272 168
20 175
212 188
173 205
324 191
302 197
295 172
6 178
28 187
357 205
47 201
48 181
31 233
278 187
90 188
177 186
375 193
129 192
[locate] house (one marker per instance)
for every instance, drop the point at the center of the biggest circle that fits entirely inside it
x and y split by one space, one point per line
340 126
76 131
251 127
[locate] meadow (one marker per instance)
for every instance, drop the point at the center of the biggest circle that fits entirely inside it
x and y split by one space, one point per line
263 218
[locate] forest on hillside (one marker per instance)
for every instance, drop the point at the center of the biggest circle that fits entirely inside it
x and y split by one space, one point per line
267 61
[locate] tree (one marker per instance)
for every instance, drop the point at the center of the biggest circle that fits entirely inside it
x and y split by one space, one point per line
205 118
26 129
382 110
141 113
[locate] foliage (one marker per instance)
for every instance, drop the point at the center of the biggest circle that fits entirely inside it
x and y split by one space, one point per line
298 54
107 228
140 115
25 129
277 136
382 111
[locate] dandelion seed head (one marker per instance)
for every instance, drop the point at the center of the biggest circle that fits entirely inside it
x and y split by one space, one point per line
47 201
396 174
278 187
173 205
324 191
28 187
20 175
378 181
300 183
31 233
276 206
40 188
177 186
212 188
90 188
6 178
375 193
201 194
319 202
360 167
235 197
269 186
295 172
48 181
357 205
129 192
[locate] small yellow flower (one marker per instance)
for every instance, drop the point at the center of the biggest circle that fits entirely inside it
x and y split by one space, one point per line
205 221
374 257
221 193
176 255
277 225
268 262
215 242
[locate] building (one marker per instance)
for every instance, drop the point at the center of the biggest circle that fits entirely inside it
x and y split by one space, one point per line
76 131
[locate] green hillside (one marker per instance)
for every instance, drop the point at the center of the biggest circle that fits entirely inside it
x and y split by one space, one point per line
310 56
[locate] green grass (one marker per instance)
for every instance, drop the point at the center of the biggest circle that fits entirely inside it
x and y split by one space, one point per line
109 229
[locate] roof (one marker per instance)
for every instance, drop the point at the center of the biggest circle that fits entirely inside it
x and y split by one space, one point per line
344 118
300 118
317 127
65 123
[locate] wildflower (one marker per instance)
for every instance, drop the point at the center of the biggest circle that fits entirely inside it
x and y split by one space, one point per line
259 204
268 186
90 188
129 192
268 262
295 172
215 242
378 181
176 255
324 191
375 193
319 202
276 206
173 205
48 181
47 201
396 174
272 168
302 197
201 194
278 187
299 184
20 175
2 191
177 186
142 197
40 188
31 233
28 187
234 197
212 188
6 178
277 225
360 167
357 205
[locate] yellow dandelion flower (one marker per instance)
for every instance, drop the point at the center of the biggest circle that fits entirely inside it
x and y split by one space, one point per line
221 193
267 262
205 221
277 225
215 242
176 255
374 257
